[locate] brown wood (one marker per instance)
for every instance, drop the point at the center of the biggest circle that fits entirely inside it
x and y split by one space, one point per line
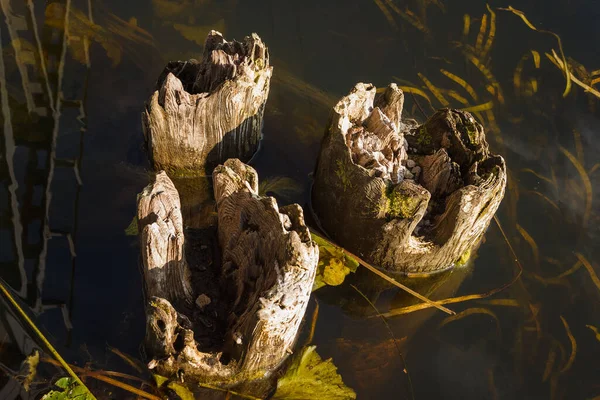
203 113
262 282
411 199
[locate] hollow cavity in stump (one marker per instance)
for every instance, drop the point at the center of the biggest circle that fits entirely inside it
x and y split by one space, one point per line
203 113
224 303
411 199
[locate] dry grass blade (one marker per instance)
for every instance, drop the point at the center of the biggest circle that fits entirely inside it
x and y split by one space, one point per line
387 14
589 268
542 177
536 58
595 330
494 87
573 347
461 82
391 335
578 146
564 67
543 196
491 34
434 90
480 107
457 97
135 364
468 312
101 377
549 364
466 24
586 183
501 302
460 299
394 282
482 29
41 336
313 324
521 14
534 247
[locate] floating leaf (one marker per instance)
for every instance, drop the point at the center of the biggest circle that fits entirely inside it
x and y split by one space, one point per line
183 392
358 261
334 264
309 377
71 390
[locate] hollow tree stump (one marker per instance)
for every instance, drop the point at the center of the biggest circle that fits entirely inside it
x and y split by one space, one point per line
203 113
260 291
410 199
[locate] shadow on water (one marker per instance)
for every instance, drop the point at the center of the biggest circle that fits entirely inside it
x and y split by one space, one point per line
74 80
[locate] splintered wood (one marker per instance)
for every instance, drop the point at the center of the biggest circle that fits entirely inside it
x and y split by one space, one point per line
411 199
203 113
269 262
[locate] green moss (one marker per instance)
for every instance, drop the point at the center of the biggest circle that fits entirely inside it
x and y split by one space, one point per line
424 138
465 126
462 260
400 205
342 175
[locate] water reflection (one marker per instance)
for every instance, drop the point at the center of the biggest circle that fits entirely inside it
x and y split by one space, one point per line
67 71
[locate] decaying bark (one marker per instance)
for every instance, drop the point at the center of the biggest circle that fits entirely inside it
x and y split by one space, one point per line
262 286
203 113
411 199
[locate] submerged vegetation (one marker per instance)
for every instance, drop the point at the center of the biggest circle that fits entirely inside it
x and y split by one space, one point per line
529 310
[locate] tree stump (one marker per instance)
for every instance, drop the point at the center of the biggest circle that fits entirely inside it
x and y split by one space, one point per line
234 317
411 199
204 113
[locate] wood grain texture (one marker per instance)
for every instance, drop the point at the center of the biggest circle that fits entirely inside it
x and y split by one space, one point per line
411 199
203 113
266 275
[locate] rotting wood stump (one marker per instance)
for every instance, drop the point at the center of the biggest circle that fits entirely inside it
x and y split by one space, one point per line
410 199
231 315
203 113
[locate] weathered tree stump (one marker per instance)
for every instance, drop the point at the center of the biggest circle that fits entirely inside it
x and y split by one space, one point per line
204 113
410 199
256 288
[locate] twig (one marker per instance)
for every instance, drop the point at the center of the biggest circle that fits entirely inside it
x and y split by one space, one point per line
412 395
41 336
394 282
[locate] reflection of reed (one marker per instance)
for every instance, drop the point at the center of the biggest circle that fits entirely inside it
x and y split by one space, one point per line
9 151
41 68
14 342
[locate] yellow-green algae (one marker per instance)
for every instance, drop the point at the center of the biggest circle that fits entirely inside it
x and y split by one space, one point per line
400 205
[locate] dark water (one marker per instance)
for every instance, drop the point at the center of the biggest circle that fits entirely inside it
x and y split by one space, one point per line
65 253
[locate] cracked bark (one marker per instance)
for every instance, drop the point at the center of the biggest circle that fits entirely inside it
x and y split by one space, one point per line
411 199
